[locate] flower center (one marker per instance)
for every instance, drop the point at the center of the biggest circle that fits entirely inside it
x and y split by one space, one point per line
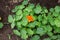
30 18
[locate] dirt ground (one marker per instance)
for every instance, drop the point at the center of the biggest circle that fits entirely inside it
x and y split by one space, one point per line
5 10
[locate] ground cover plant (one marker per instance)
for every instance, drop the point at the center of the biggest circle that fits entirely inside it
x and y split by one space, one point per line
29 20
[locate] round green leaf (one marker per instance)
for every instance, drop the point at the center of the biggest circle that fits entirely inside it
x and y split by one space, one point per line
19 12
1 25
35 37
39 18
16 32
38 9
10 19
25 2
30 32
57 22
57 9
40 31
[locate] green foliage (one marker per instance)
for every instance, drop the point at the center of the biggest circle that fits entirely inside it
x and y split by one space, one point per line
57 22
25 2
55 14
31 6
24 34
18 17
58 36
18 24
1 25
57 29
51 10
21 7
12 25
30 31
44 21
10 19
39 18
40 31
32 24
24 21
38 9
41 21
47 39
15 9
45 10
57 9
50 34
49 28
36 37
19 12
16 32
54 37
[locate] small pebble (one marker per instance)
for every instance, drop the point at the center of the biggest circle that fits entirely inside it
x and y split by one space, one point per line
58 1
0 18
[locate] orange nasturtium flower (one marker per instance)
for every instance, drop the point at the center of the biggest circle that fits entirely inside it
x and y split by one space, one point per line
30 18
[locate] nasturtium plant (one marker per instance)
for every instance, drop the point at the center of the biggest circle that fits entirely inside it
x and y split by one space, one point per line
38 9
57 9
10 19
19 12
21 7
40 18
29 20
15 9
50 34
24 21
40 31
30 32
55 14
49 28
18 24
47 39
12 25
59 17
57 22
18 17
32 24
36 37
45 10
57 29
58 36
1 25
31 5
51 10
16 32
54 37
24 34
44 21
50 19
25 2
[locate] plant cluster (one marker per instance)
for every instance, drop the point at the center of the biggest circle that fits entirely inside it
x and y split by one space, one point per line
30 20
